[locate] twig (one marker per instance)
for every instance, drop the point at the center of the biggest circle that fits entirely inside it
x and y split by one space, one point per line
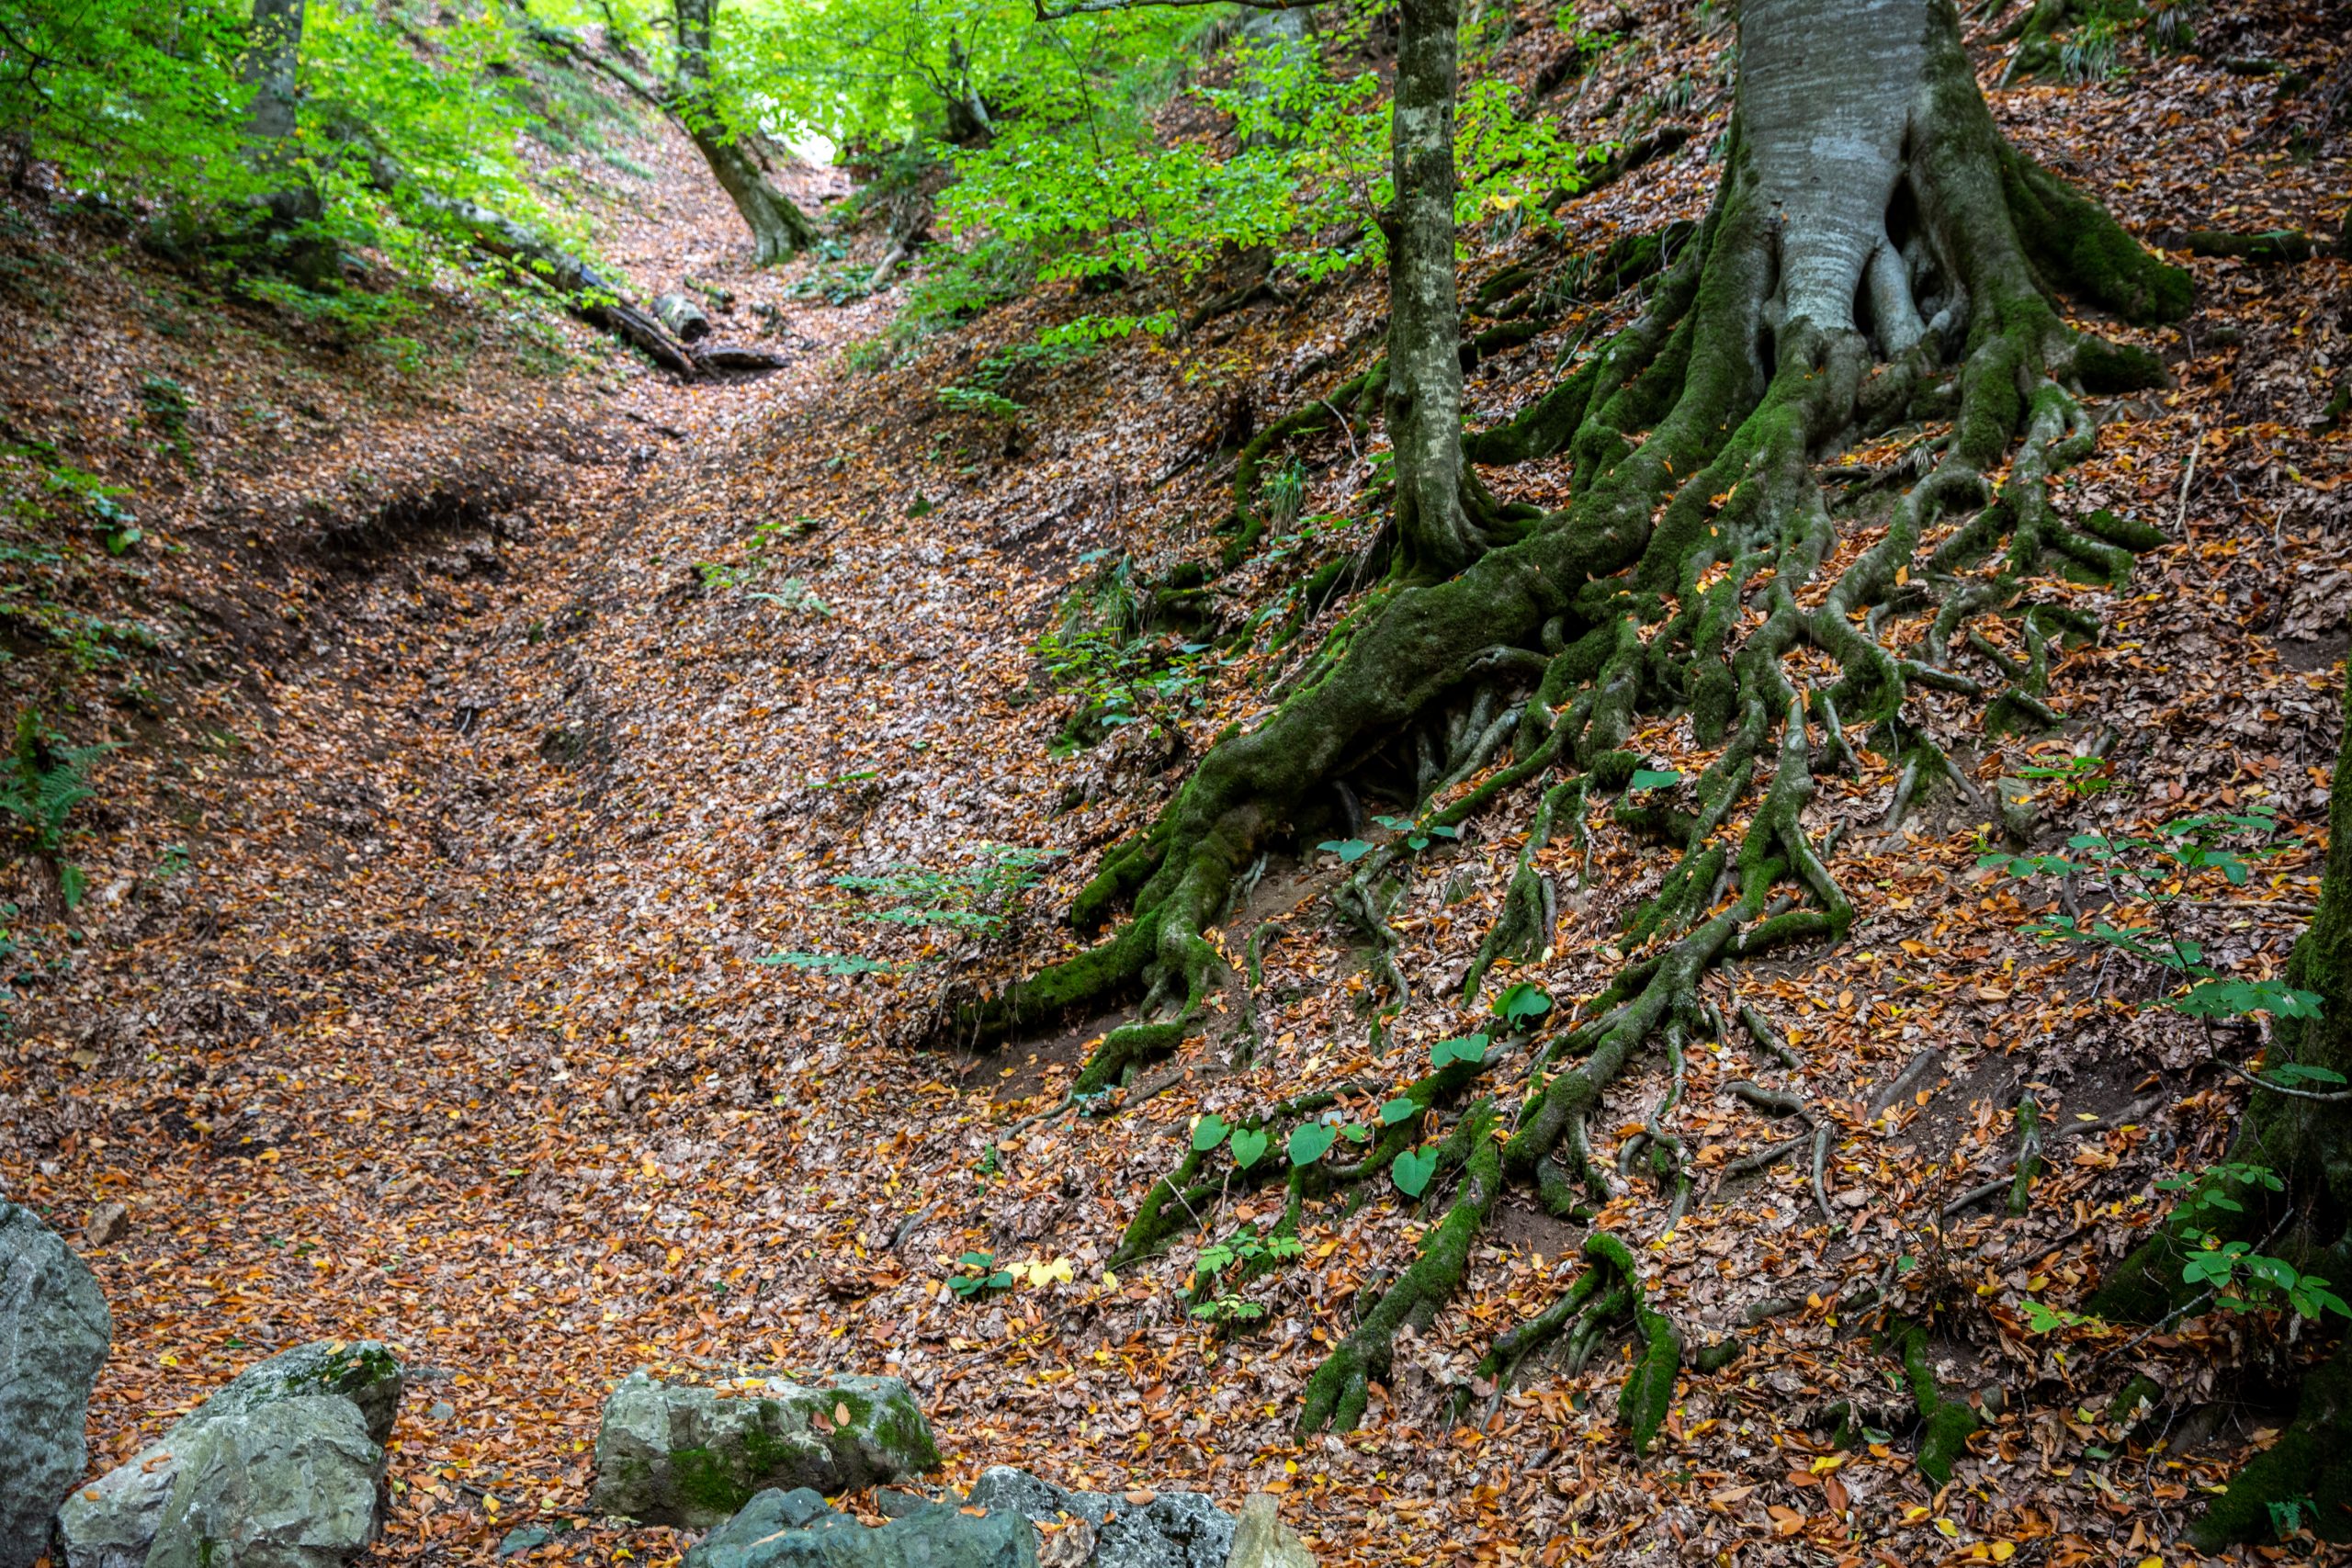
2196 445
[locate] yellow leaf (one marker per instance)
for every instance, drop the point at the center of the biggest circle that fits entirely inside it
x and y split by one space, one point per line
1947 1528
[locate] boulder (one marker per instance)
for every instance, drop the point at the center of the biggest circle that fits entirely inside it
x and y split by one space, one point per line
1002 1489
281 1468
675 1454
290 1485
54 1330
1175 1530
794 1529
1261 1541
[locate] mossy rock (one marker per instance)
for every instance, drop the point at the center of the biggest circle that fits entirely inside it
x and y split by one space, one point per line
675 1454
281 1464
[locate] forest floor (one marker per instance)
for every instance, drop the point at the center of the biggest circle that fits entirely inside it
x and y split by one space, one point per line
485 715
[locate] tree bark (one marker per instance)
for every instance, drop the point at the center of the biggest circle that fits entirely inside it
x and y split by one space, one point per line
273 57
778 226
1424 402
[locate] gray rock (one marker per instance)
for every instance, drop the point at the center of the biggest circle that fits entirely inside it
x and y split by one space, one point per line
670 1453
264 1471
524 1537
1189 1523
1261 1541
762 1536
291 1484
1175 1530
1002 1489
54 1330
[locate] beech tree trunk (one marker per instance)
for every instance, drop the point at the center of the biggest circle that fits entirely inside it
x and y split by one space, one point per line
778 226
1424 402
274 52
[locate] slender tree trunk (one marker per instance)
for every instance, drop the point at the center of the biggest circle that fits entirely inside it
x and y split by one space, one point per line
272 57
778 228
1424 310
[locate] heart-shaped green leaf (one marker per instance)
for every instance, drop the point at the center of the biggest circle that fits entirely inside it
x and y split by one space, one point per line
1412 1171
1249 1146
1522 1004
1653 778
1353 1134
1310 1143
1396 1111
1209 1132
1470 1049
1349 850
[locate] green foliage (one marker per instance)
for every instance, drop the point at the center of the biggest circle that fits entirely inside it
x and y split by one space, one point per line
1095 194
1350 850
40 786
1412 1170
2091 53
1249 1146
848 965
977 1274
2044 1319
980 400
1097 651
1653 778
2154 871
1209 1132
979 897
1522 1005
767 539
1418 835
144 107
1470 1051
1310 1141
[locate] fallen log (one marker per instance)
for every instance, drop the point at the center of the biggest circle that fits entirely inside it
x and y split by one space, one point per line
723 357
586 293
682 316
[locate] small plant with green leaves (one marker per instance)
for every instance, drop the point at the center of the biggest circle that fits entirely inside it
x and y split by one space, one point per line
1417 835
164 404
2092 52
978 898
980 403
2241 1278
758 555
977 1275
41 784
843 965
2153 873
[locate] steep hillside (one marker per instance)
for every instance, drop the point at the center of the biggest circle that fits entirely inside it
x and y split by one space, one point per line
518 760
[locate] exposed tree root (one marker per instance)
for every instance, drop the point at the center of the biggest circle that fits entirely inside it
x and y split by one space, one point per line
1688 572
1606 1293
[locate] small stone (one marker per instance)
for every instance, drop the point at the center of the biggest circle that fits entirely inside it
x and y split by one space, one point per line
524 1538
440 1410
108 1226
